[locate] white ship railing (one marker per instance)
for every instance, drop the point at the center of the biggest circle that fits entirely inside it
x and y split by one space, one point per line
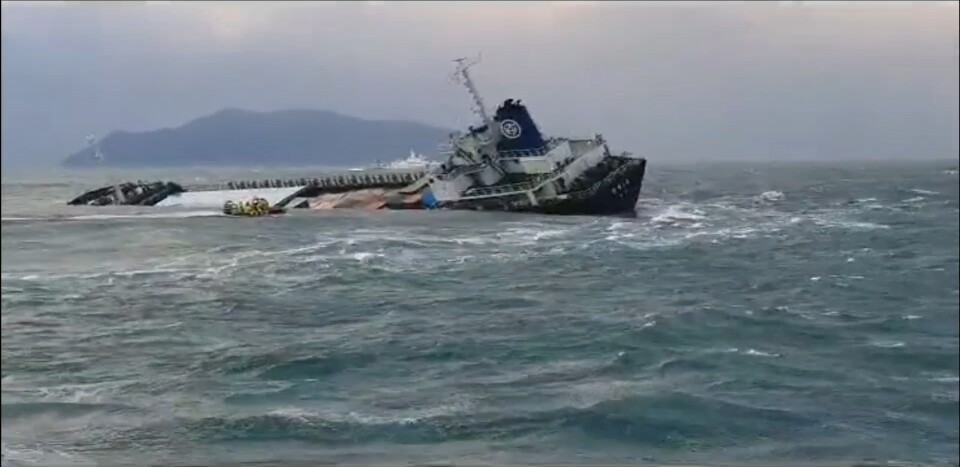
447 150
513 188
521 153
534 183
461 170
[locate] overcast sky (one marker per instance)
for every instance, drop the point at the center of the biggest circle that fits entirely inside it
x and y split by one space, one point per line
671 81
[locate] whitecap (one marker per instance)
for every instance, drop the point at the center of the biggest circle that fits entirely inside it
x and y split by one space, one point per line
770 196
849 224
888 344
293 414
677 214
590 393
85 393
364 256
20 454
924 192
736 233
549 233
467 240
758 353
381 417
527 235
751 352
460 259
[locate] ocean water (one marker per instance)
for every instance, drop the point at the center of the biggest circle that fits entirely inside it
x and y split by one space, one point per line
750 314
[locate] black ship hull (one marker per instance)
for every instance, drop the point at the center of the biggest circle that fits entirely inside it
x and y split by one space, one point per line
134 194
616 195
613 192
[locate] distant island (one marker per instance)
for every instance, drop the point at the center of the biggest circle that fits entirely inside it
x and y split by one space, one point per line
233 137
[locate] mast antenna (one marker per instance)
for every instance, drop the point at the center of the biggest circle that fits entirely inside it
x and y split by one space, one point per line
92 141
119 198
462 76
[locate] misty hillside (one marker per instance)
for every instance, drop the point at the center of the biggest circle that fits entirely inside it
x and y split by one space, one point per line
244 138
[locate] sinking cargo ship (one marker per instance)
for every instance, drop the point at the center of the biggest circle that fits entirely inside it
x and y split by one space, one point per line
503 163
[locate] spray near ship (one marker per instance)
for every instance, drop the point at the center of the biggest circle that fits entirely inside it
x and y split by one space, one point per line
503 163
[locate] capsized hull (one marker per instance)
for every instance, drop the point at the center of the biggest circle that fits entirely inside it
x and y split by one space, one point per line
614 195
134 194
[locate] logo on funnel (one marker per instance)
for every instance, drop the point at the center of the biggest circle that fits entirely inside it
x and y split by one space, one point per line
510 128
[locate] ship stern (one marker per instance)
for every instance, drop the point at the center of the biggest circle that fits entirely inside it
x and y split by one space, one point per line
615 195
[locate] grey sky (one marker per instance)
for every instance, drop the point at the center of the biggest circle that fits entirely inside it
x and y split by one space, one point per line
668 80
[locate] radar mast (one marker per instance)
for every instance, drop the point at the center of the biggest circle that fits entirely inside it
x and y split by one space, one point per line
98 155
92 141
462 75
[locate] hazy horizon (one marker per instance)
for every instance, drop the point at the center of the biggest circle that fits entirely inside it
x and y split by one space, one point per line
670 81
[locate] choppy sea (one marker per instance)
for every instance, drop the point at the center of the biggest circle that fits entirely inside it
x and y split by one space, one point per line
750 314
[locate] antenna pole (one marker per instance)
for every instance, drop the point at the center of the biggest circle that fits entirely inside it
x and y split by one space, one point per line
98 155
462 70
92 141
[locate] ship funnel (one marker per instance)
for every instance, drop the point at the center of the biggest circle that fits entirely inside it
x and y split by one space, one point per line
517 128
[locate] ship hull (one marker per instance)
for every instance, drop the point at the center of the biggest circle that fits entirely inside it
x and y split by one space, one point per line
615 194
611 192
147 195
